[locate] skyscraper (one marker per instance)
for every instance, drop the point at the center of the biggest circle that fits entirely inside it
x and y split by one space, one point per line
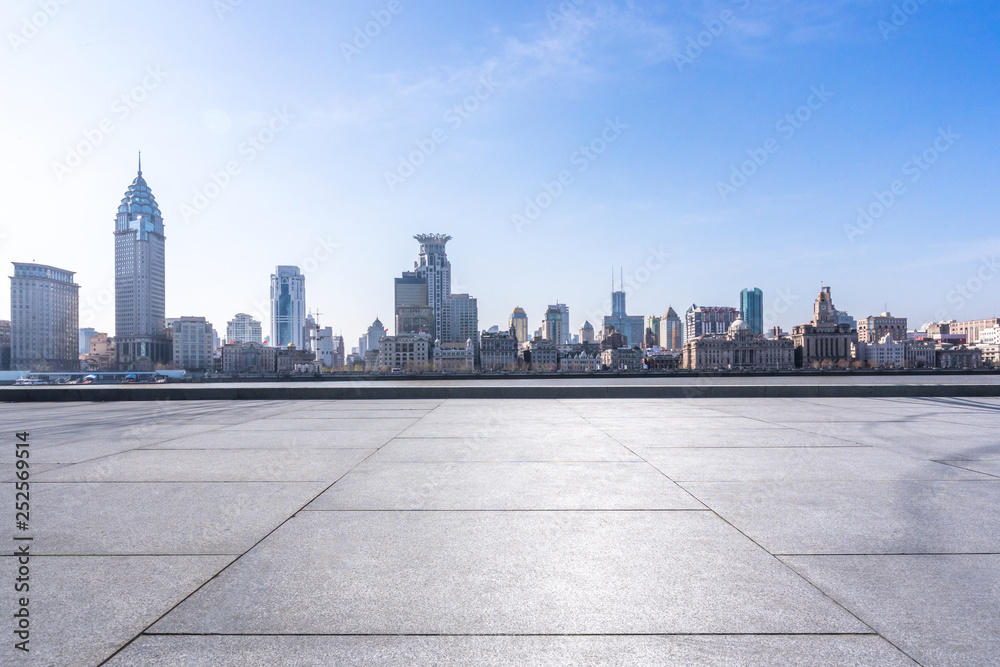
554 327
567 337
44 319
519 325
633 327
141 340
433 266
288 307
671 331
752 309
423 298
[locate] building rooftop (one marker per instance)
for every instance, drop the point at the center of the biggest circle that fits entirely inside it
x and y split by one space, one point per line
415 532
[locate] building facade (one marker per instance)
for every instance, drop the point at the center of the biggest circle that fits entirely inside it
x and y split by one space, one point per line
622 359
410 351
44 319
497 350
101 355
193 343
708 321
141 339
739 349
288 307
826 341
244 329
972 329
752 309
454 357
249 358
874 327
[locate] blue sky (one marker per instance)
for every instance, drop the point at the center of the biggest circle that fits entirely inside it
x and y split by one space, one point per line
202 81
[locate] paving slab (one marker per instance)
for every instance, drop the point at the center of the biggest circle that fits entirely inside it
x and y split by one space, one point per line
940 610
775 464
287 425
82 609
160 518
282 440
669 651
597 447
213 465
385 485
861 517
757 437
507 573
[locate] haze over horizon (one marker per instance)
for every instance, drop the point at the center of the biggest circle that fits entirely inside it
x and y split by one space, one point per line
552 142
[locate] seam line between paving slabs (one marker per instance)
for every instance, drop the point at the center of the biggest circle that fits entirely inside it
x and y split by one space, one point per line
514 634
268 534
759 546
952 464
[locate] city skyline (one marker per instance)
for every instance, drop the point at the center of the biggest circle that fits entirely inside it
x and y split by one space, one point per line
517 92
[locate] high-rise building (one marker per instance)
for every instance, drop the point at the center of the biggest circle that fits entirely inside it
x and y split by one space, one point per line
4 345
375 333
244 329
587 333
424 302
553 326
708 321
329 348
671 331
288 307
412 310
518 323
433 266
653 325
44 319
633 327
463 320
567 336
874 327
752 309
85 336
141 340
193 343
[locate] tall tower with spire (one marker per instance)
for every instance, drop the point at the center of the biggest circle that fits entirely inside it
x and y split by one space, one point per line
141 340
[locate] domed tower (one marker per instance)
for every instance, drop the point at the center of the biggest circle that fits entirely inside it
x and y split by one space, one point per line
141 340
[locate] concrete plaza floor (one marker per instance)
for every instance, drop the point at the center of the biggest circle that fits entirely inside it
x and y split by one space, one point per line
509 532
